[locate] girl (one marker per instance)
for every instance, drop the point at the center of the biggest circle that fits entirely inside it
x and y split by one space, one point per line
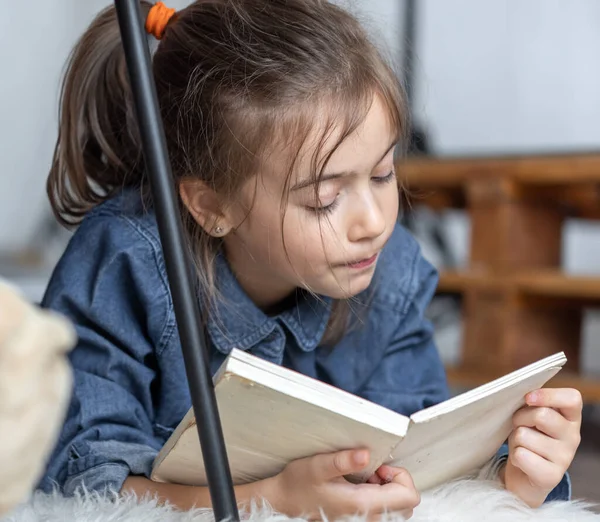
281 120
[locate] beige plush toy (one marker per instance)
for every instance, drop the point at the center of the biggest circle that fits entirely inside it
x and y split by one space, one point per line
35 384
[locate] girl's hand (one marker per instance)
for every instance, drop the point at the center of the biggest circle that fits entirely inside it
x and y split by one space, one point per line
307 487
543 443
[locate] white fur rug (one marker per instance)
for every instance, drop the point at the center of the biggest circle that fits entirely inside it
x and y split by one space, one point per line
468 500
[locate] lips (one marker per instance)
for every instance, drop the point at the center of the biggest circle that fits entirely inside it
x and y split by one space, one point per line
363 263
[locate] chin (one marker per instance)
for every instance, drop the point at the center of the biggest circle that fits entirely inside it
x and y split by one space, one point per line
347 289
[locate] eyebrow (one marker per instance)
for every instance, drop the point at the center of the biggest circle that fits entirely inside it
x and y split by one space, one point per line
337 175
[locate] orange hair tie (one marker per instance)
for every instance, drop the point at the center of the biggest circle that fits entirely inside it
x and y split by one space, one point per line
158 18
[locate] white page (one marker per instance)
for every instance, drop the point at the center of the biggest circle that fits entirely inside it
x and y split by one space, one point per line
440 447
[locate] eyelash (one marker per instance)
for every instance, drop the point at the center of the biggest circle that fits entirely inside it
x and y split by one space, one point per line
328 209
387 178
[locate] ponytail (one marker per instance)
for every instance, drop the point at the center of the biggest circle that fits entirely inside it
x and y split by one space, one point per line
98 149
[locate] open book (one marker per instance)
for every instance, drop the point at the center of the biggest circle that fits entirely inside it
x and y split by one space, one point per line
272 415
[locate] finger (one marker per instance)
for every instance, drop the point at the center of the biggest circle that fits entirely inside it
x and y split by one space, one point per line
406 514
388 497
400 496
546 420
403 477
566 400
540 472
374 479
333 465
536 442
385 474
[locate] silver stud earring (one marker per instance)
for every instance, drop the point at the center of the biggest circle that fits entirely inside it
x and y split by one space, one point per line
218 230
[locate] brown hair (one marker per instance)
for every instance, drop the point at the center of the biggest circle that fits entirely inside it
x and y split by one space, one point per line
234 79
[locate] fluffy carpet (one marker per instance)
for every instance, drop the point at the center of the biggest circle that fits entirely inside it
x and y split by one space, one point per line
475 499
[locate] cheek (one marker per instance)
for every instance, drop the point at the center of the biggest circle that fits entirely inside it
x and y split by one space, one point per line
304 238
388 200
294 251
261 234
258 230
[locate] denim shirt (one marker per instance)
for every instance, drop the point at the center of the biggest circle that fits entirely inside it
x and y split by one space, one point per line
130 386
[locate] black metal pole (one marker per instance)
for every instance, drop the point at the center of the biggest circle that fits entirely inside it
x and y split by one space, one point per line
418 136
409 20
176 260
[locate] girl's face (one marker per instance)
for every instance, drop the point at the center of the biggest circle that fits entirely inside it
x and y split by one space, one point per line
333 241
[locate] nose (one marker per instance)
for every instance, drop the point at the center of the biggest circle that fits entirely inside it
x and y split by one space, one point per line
367 220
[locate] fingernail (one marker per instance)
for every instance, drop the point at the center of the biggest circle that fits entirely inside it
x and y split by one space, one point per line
532 397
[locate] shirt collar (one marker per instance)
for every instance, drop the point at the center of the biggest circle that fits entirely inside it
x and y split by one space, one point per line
236 322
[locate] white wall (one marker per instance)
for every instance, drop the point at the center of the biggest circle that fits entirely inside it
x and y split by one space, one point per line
500 76
383 19
34 37
37 37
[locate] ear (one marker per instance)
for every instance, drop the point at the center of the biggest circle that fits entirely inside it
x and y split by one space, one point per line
204 204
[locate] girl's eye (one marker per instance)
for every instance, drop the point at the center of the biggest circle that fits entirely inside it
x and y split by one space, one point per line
327 209
385 179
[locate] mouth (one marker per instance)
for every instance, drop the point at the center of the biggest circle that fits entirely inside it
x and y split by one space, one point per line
363 263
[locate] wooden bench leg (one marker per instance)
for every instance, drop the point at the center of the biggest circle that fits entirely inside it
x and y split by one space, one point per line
509 232
504 332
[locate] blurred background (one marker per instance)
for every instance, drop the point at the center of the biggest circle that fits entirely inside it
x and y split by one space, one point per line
487 79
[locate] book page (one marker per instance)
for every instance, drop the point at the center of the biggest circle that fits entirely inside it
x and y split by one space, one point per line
554 361
457 441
